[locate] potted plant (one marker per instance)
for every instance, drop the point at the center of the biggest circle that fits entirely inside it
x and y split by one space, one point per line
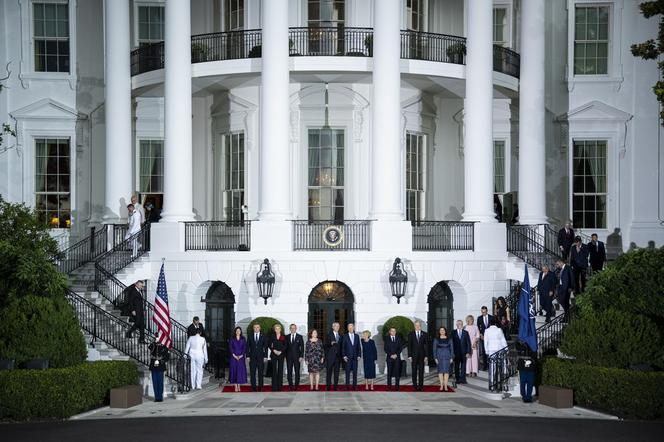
199 52
368 43
456 52
256 52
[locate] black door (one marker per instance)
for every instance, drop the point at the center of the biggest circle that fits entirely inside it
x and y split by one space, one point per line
219 323
441 310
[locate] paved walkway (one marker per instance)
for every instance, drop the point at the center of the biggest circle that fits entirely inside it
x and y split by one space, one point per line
471 399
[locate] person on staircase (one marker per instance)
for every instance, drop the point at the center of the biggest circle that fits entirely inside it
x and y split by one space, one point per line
579 261
158 358
137 306
133 227
546 286
196 327
197 350
565 240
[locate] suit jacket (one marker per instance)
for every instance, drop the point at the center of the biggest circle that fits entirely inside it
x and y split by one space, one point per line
565 239
579 259
547 284
294 350
597 253
136 301
462 345
257 349
351 350
418 350
565 282
191 330
333 347
480 323
392 348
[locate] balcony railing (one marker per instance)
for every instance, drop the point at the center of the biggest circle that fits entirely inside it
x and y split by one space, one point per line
332 235
217 235
443 236
322 41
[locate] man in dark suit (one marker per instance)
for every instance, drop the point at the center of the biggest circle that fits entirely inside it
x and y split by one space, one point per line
579 261
257 356
195 327
418 351
565 239
294 356
392 349
596 253
462 351
483 322
565 284
351 351
333 357
546 286
137 309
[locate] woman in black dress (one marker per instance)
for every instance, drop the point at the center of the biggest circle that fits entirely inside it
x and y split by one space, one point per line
277 346
502 314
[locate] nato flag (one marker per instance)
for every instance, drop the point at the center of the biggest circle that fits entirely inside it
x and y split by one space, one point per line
527 331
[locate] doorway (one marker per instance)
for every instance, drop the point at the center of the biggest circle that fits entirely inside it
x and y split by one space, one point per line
329 302
441 310
219 324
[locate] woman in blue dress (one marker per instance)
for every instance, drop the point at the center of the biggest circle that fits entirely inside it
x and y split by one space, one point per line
369 356
238 370
443 351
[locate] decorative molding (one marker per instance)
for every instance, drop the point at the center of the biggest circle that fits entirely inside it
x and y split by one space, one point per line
458 118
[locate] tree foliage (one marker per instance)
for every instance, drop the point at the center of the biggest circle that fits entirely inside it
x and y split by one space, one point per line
402 324
653 48
27 255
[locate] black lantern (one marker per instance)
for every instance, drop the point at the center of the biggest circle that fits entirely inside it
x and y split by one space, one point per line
265 280
398 280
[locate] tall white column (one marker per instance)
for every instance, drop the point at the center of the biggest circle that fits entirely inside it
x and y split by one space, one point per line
117 111
532 163
478 116
275 170
387 184
178 175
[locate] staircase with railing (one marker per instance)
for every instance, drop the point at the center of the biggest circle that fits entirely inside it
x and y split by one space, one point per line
528 244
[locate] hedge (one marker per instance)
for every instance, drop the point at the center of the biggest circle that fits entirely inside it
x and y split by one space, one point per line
626 393
61 392
267 325
402 324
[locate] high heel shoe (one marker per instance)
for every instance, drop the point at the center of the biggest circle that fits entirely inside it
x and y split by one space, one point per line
440 389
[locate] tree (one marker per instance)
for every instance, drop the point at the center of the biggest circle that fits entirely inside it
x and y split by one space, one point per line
652 49
27 256
5 129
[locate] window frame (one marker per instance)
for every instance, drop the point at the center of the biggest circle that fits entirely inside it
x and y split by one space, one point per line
46 192
226 202
607 191
424 4
507 31
139 142
224 26
135 25
336 130
596 41
422 166
505 167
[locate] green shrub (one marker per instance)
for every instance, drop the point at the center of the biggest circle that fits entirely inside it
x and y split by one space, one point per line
627 393
38 327
61 392
27 254
266 324
402 324
613 338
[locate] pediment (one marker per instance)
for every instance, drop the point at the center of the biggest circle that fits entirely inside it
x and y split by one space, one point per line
231 101
46 109
595 111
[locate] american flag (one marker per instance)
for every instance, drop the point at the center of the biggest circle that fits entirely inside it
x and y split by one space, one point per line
162 316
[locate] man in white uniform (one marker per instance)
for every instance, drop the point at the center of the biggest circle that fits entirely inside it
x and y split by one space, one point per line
197 349
494 341
138 207
134 226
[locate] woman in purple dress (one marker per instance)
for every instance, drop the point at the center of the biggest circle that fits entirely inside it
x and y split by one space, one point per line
237 348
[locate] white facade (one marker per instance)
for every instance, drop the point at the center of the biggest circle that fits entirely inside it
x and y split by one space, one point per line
375 98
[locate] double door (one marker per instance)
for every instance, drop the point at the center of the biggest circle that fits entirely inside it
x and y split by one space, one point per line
323 314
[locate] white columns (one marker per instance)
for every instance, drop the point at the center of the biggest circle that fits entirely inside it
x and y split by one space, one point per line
478 116
178 186
275 170
532 163
387 183
117 111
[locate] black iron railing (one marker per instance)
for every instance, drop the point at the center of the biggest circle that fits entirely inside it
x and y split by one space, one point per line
502 365
314 235
506 60
443 236
124 251
550 335
528 244
106 327
322 41
85 250
217 235
331 41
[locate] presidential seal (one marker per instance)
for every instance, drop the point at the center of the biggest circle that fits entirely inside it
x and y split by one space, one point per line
333 236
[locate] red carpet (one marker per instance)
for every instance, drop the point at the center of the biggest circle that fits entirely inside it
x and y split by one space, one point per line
383 387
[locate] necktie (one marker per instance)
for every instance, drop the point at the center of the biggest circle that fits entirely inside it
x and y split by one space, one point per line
459 334
418 336
392 338
256 337
292 338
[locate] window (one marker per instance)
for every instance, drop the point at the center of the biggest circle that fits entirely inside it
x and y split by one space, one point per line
500 29
234 15
234 177
52 182
151 164
589 184
499 166
150 24
414 176
51 37
326 13
326 175
415 15
591 40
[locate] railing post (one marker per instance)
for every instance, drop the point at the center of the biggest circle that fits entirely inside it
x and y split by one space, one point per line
92 241
94 327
